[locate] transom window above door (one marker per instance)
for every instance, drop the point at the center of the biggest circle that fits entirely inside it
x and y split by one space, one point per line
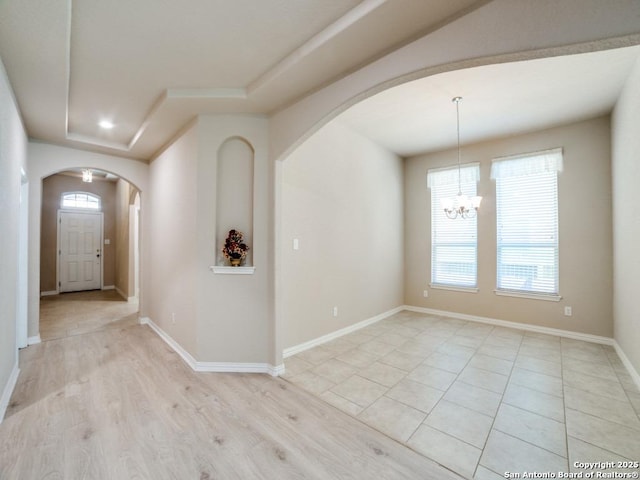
81 200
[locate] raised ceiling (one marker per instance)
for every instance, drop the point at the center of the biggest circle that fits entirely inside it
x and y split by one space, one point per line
151 66
498 100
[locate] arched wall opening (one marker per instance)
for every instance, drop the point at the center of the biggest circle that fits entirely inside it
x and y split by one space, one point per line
85 248
45 160
321 118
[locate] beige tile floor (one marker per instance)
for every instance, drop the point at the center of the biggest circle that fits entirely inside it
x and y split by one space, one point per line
76 313
479 399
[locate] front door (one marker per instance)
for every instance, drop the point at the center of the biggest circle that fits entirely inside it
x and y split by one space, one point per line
79 251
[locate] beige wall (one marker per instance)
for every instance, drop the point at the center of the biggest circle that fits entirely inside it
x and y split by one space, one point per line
172 245
218 317
234 194
123 199
626 218
342 199
13 146
585 232
52 188
232 333
235 312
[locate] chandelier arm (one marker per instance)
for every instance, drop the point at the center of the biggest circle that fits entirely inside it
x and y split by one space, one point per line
451 213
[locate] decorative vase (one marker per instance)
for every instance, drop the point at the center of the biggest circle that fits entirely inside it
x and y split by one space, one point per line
235 262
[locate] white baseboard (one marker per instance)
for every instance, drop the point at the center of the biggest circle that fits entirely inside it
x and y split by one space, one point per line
219 367
287 352
8 391
49 293
585 337
625 361
109 287
120 292
34 340
124 296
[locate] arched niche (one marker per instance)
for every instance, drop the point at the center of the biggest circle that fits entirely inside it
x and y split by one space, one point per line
234 194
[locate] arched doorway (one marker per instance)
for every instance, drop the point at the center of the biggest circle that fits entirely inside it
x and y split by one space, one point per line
88 253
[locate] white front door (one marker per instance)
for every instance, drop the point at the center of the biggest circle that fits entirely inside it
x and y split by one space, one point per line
79 251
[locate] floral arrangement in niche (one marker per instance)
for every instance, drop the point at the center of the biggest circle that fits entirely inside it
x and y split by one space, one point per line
235 250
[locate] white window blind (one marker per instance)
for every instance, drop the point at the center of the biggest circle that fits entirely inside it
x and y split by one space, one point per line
527 222
454 246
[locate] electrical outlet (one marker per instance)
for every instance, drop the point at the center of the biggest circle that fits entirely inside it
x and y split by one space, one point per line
567 311
335 311
173 317
296 244
425 293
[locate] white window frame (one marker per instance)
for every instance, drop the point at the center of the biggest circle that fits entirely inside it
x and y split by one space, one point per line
73 207
537 172
443 182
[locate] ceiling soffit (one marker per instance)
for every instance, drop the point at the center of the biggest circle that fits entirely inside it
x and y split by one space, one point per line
151 67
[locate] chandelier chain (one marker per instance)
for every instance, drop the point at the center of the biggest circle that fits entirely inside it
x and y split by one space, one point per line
460 206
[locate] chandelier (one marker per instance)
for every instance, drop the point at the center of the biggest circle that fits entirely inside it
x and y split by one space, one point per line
460 205
87 175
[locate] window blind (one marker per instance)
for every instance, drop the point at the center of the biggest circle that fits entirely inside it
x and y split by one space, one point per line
527 222
454 247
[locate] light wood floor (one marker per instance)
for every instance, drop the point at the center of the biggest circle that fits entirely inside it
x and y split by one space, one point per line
78 313
119 404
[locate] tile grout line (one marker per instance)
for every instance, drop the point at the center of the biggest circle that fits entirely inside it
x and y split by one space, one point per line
564 404
498 409
445 391
521 343
598 417
626 392
405 443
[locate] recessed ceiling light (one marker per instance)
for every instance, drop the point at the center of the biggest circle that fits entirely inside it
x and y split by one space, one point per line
106 124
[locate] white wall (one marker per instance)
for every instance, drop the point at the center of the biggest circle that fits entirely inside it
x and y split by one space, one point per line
342 199
585 231
13 146
626 218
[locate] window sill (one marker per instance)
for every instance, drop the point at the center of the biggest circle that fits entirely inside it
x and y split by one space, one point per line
454 288
531 296
224 270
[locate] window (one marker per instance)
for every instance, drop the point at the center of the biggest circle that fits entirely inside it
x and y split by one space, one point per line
454 245
527 222
84 200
